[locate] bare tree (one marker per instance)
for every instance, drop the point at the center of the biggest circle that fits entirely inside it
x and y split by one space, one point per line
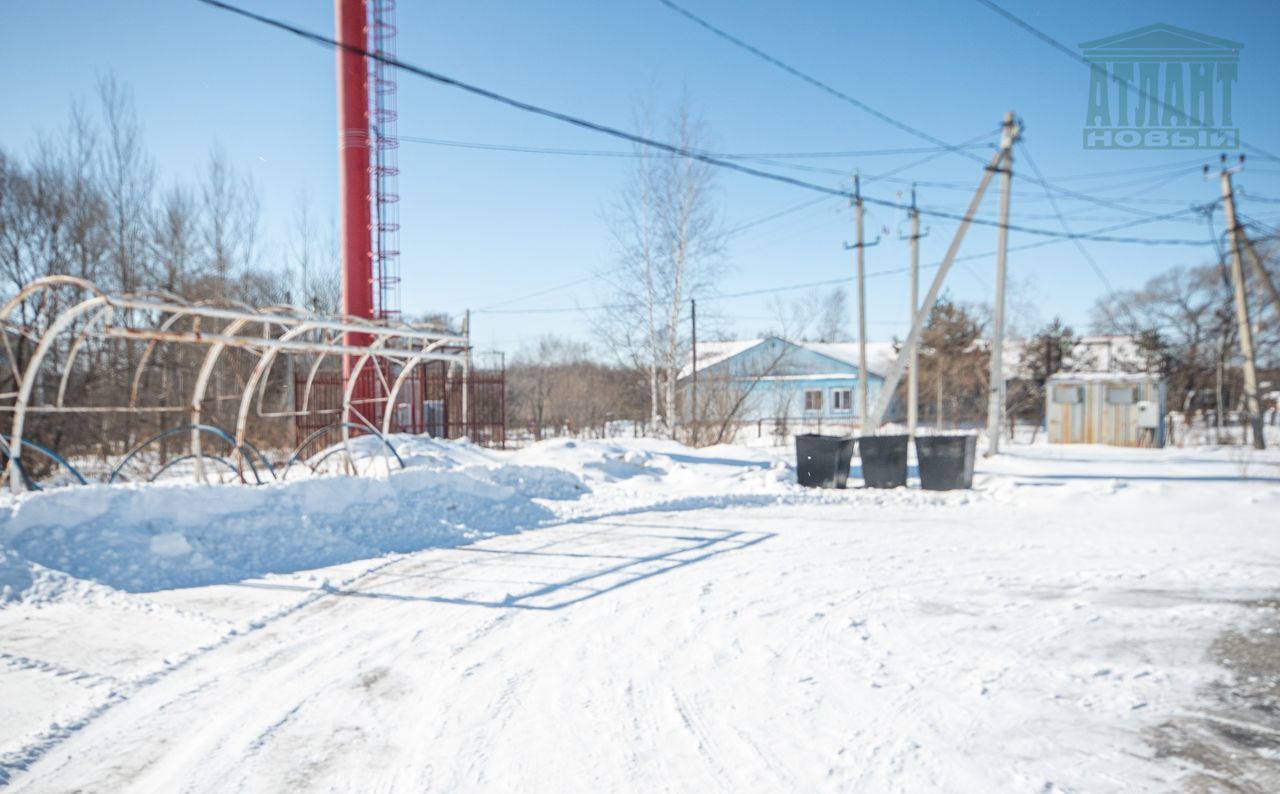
316 255
230 207
832 316
554 385
127 177
666 228
1185 318
175 238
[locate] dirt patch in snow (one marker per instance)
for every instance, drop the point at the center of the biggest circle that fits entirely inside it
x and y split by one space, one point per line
1230 741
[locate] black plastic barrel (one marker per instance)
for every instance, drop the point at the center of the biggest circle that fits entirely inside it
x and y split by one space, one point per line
946 462
884 461
823 461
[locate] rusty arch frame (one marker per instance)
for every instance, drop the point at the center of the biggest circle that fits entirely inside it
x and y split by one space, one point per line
160 318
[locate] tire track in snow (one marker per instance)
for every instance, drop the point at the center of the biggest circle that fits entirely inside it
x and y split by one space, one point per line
21 759
83 677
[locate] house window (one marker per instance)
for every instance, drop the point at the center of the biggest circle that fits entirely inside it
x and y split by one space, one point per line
842 399
813 399
1067 394
1121 395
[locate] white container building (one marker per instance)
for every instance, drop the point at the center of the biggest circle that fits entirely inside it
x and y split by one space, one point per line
1116 408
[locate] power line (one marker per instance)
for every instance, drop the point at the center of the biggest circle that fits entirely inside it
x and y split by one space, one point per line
548 290
827 88
1053 202
820 85
1075 56
1135 170
507 147
929 158
645 141
585 279
774 216
846 279
706 299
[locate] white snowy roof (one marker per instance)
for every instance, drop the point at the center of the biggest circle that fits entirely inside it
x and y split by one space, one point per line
880 355
1103 354
1105 377
712 353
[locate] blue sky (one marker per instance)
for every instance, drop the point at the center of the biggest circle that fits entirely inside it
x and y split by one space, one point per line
489 227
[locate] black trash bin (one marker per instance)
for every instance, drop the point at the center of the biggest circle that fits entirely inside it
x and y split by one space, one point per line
884 461
823 461
946 462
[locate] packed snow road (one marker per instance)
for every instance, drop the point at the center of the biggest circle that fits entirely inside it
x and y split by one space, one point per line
1040 634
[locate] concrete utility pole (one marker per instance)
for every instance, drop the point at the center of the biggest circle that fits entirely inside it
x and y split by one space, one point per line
1252 406
693 402
913 371
995 401
860 245
894 375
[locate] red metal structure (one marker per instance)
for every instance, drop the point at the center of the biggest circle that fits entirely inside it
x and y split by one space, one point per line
430 402
438 400
351 19
386 167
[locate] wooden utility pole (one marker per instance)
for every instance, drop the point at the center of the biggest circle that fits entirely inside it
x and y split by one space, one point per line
1252 407
913 371
860 245
693 401
995 389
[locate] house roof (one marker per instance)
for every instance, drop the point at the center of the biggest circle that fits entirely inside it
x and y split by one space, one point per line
880 355
1094 353
712 353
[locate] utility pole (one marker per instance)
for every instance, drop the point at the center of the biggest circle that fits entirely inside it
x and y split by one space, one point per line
693 402
860 245
1252 408
894 375
995 389
913 371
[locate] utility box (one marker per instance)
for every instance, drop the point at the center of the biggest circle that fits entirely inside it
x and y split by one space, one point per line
1148 415
1117 408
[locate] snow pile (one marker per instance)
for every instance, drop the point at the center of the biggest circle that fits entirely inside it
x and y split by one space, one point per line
31 583
15 575
142 538
146 537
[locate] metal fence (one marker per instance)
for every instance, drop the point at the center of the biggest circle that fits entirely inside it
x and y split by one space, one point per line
434 398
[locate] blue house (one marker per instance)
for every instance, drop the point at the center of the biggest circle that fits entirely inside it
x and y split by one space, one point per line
802 384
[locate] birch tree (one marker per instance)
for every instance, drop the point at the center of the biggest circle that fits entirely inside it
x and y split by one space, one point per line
666 228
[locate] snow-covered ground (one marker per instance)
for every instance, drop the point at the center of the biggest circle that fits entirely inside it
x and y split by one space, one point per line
633 615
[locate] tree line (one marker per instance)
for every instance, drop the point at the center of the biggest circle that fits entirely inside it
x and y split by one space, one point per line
88 201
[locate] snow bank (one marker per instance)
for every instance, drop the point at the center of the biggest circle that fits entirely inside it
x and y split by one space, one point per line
31 583
146 537
142 538
169 534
